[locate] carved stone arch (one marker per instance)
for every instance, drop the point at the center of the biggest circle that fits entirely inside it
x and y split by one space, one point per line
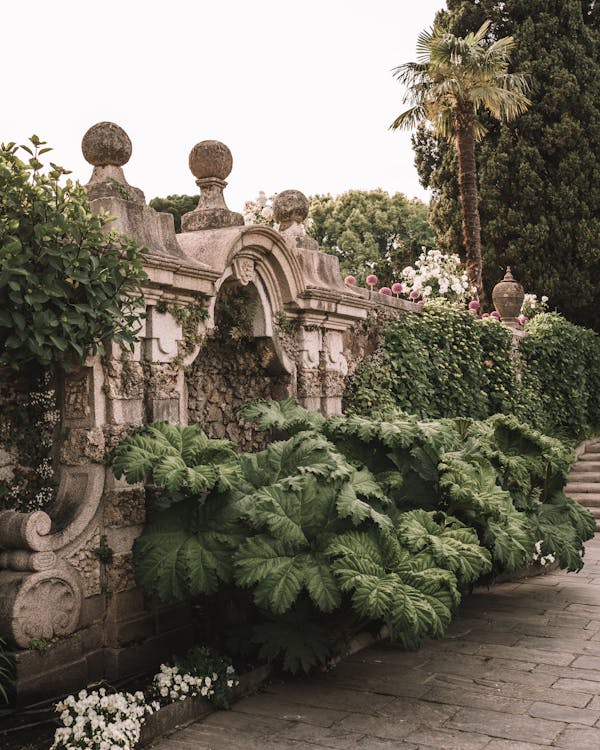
274 263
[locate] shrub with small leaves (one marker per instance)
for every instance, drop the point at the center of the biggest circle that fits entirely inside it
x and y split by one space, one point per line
65 285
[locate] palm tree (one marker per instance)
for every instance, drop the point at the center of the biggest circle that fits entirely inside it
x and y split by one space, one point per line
455 79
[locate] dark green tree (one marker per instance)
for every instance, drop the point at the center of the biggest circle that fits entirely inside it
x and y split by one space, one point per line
539 177
371 231
177 205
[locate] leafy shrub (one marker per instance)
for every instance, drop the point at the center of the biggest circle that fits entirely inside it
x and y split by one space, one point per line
65 285
277 531
563 361
498 477
350 522
446 363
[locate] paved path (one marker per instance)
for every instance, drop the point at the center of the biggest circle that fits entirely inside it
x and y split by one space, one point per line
519 670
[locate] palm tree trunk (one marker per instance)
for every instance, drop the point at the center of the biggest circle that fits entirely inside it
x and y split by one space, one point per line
464 119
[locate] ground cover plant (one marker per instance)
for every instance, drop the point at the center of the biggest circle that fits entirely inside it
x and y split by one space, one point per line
348 523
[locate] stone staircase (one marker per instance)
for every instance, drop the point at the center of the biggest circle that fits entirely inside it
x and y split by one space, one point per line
584 480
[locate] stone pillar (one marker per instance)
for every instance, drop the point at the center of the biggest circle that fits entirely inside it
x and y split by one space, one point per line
310 344
335 369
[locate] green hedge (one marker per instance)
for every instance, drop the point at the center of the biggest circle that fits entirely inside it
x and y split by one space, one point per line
447 363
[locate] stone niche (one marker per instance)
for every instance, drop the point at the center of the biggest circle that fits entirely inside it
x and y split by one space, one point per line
275 322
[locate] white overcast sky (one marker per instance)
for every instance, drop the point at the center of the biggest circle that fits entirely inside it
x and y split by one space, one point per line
301 92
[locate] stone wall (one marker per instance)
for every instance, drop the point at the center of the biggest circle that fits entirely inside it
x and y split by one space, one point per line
66 575
226 375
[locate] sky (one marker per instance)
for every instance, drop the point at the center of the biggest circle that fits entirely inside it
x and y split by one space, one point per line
302 93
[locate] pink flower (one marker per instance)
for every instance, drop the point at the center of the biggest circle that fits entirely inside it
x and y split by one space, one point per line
350 280
385 290
522 319
397 288
372 280
488 362
474 305
421 302
485 315
495 314
414 294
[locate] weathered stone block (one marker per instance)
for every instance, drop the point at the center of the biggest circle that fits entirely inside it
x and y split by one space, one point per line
81 446
169 618
48 685
124 604
92 610
120 575
122 633
93 638
125 507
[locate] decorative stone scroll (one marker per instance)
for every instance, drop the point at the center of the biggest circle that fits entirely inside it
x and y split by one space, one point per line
40 605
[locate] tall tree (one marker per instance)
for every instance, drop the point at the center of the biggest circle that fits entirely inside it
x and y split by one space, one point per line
370 231
453 81
539 177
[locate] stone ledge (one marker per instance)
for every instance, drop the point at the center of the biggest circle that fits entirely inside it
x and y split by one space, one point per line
180 714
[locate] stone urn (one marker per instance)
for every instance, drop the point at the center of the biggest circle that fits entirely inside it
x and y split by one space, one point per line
508 296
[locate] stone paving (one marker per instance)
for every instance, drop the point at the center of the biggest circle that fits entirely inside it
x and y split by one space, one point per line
518 670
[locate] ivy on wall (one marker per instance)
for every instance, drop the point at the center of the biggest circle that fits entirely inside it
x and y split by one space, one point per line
447 363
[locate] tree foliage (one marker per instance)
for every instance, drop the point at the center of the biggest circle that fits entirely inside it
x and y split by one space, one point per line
456 79
538 177
176 205
65 285
370 231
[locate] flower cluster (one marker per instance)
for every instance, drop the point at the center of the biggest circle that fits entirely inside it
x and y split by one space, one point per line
169 685
200 672
436 275
533 306
539 557
260 211
101 721
28 484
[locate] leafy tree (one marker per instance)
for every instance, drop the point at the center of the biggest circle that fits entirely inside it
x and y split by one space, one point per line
538 176
370 231
65 285
455 79
177 205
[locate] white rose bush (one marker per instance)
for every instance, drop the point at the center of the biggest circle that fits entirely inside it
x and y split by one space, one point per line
436 275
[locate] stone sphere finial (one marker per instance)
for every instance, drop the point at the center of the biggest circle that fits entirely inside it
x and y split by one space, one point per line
210 163
106 144
210 159
290 206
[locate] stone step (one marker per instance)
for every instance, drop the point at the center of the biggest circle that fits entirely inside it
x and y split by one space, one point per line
584 497
592 448
589 457
582 486
587 467
589 502
584 477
